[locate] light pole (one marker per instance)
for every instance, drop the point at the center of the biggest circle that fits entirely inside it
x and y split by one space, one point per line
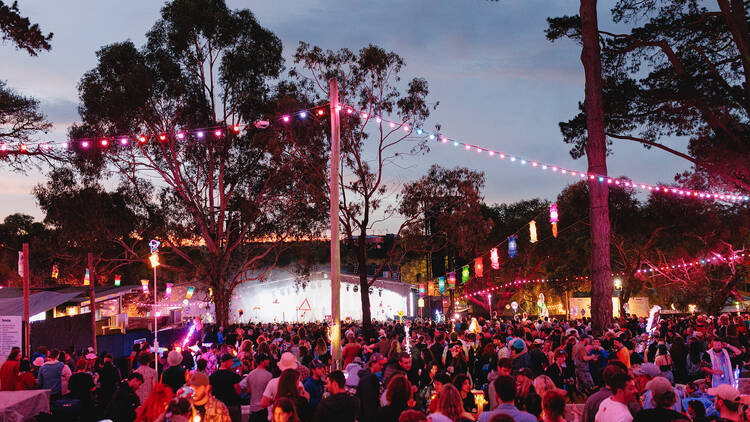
154 258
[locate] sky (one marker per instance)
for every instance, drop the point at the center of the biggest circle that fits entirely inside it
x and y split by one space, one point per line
499 82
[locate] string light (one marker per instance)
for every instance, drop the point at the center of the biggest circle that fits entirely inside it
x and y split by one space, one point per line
715 259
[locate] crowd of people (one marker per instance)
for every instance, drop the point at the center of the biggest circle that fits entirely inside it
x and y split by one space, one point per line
524 370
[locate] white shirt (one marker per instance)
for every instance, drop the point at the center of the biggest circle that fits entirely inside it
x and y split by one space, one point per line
613 411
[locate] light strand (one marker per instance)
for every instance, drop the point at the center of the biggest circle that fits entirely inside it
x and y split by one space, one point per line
708 260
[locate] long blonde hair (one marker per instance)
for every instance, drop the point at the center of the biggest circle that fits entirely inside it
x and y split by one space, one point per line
543 384
449 403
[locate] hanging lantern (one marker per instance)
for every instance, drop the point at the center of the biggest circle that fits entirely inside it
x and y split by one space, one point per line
55 272
478 267
168 291
117 280
532 231
465 274
452 280
441 284
512 246
87 278
144 284
190 292
495 259
553 218
421 289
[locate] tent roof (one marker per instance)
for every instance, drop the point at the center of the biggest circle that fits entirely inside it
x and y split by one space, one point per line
38 302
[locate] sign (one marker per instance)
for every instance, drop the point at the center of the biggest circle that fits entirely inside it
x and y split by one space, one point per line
10 335
400 314
305 306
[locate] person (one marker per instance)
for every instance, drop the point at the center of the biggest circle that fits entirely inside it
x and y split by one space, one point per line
178 410
205 405
505 389
503 369
449 407
339 406
25 379
51 375
402 365
314 383
155 404
615 407
663 398
553 405
621 352
350 350
368 389
441 380
560 373
718 363
399 398
594 400
255 383
148 373
697 411
225 385
411 415
287 361
664 361
125 401
290 388
727 402
9 370
174 375
81 384
463 384
109 378
352 373
526 397
284 411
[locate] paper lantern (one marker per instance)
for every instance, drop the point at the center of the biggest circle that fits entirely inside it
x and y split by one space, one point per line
495 259
452 280
465 274
190 292
441 284
420 303
87 278
553 218
478 267
144 285
532 231
512 246
117 280
421 289
168 291
55 272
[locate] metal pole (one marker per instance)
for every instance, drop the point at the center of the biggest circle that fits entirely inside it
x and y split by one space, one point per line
156 340
26 288
92 301
335 249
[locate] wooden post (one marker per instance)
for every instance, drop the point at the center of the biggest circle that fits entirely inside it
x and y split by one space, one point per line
335 247
26 287
92 301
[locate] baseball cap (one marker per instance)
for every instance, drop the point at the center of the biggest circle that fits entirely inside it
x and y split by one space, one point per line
226 356
377 357
648 369
316 364
518 344
725 392
198 379
659 386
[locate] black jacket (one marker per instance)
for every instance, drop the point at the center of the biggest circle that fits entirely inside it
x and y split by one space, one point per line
123 404
342 407
368 393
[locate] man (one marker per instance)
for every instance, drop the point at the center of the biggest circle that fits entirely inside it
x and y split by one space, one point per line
255 383
403 365
287 361
504 366
351 350
538 359
204 403
621 352
505 388
717 362
438 383
339 406
647 372
663 397
225 384
368 389
593 402
125 401
51 375
314 383
727 401
148 373
615 407
559 372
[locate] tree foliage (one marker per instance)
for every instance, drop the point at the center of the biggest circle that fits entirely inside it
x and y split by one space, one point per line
20 32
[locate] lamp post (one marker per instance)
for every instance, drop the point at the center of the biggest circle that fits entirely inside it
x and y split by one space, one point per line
154 259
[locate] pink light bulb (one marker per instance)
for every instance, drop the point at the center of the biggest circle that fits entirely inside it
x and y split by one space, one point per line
468 147
406 128
124 141
180 135
200 134
285 119
217 133
85 144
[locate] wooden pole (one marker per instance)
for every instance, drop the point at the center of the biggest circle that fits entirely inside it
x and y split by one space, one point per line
26 288
92 301
335 247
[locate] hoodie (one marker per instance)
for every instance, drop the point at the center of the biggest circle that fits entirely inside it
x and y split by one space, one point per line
368 393
341 407
352 377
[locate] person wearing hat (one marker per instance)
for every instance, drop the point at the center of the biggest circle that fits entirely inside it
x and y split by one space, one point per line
175 375
727 402
225 386
718 363
621 352
125 401
663 397
538 359
205 405
368 389
314 383
287 361
255 383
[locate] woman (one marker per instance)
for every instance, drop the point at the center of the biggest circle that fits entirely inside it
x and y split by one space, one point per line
694 360
526 397
149 376
455 361
289 387
544 384
463 384
178 410
398 395
9 370
25 379
284 411
449 406
553 406
664 361
155 404
581 359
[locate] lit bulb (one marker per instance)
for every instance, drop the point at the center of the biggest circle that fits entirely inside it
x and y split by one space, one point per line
303 114
285 119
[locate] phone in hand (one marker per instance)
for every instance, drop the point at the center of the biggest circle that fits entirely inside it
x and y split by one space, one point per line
187 392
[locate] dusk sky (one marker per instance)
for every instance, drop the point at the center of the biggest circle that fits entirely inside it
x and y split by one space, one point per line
499 82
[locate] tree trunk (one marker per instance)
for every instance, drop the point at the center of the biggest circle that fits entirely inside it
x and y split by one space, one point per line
596 153
364 287
221 302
